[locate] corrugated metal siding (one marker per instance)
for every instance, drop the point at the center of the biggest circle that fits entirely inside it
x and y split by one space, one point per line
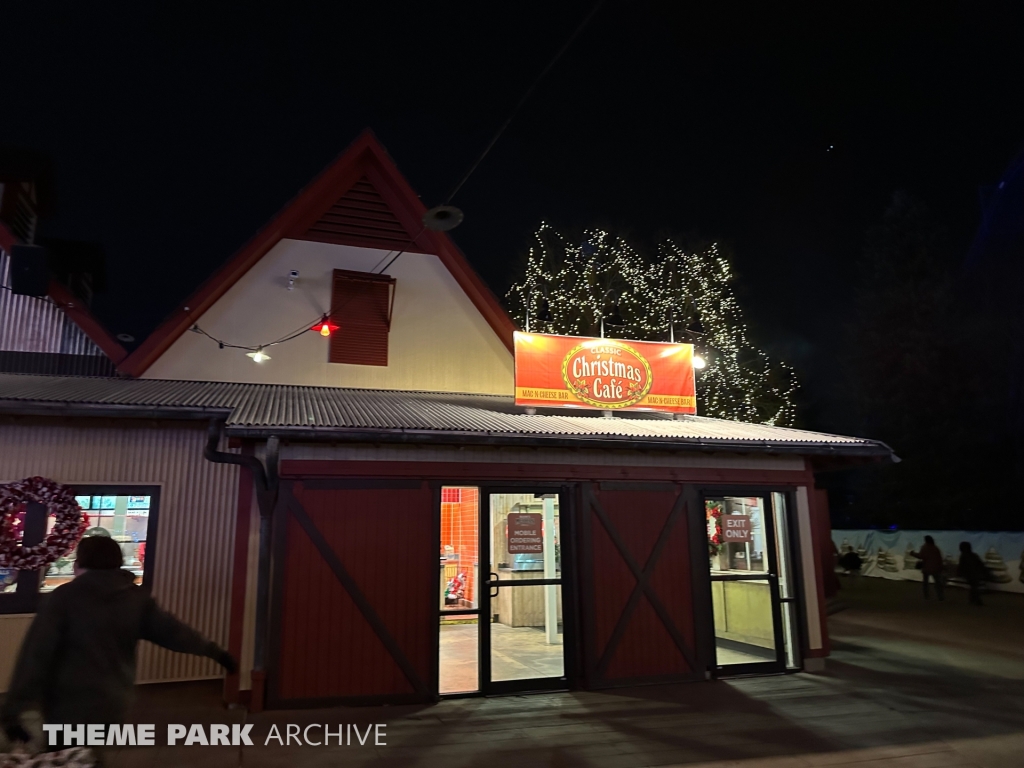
192 574
57 364
330 408
30 324
12 630
384 538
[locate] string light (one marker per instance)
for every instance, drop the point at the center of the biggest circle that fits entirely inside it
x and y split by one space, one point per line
258 356
252 351
325 326
675 294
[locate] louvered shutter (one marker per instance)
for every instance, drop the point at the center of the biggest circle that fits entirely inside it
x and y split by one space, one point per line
361 306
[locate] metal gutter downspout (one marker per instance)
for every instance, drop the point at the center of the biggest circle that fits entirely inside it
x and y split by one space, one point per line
265 479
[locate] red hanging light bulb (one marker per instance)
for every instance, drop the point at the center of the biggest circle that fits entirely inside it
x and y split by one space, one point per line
325 326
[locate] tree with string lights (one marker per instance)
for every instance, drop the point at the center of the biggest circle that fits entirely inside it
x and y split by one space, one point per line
604 286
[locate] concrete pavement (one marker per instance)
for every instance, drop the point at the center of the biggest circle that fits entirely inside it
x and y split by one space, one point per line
909 685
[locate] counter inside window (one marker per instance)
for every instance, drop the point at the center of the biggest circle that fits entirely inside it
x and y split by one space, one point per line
124 518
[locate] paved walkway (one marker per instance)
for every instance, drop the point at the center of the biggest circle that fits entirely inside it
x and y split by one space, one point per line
517 653
910 685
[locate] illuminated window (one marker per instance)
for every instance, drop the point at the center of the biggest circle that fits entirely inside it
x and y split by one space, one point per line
127 514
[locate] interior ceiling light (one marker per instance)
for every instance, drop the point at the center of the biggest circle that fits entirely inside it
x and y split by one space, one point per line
258 356
325 326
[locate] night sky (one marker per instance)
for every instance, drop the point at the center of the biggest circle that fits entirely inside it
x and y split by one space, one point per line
782 131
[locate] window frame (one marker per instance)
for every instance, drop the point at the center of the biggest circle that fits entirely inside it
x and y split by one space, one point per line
25 598
797 599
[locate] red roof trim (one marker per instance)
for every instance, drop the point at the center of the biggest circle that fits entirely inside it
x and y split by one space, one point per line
75 309
364 157
7 238
83 318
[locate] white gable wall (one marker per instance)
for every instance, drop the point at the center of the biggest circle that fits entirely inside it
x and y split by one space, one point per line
439 342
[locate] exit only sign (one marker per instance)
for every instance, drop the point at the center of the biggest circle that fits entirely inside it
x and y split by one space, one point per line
736 528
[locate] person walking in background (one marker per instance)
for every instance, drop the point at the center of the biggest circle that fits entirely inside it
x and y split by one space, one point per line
851 563
972 570
931 565
77 661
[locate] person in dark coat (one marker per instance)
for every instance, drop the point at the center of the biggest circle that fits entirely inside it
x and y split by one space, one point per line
851 563
931 565
77 661
972 570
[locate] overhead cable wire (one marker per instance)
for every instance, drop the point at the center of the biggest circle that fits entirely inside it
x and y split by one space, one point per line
490 145
523 100
505 125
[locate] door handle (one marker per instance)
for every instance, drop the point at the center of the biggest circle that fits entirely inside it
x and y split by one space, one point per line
494 584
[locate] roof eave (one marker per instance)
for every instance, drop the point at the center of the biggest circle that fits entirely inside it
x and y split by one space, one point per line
869 452
111 410
825 455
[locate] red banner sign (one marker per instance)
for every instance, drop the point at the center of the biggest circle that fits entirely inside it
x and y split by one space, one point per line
604 373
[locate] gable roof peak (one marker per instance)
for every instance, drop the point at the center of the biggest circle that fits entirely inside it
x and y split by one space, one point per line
359 199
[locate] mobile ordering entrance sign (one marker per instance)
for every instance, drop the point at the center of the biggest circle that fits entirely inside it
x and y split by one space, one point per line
609 374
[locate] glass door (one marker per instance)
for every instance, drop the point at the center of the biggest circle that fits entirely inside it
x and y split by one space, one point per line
500 609
459 591
754 605
522 644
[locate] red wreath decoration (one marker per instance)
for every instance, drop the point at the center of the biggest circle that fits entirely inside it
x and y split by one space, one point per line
69 523
715 539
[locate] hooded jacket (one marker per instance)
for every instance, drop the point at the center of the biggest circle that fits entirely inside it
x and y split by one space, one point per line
78 659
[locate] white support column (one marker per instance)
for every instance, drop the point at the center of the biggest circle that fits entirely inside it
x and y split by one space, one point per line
811 607
550 591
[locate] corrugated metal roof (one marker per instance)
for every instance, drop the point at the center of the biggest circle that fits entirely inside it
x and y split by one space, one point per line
331 411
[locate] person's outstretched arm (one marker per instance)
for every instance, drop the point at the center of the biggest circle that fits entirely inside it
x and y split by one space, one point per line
36 660
165 630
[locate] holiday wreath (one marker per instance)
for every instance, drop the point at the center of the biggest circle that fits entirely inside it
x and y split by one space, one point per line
714 512
68 526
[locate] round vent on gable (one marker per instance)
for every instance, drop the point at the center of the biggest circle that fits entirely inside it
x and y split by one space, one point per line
442 218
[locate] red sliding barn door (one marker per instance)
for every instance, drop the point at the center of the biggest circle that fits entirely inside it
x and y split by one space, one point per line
639 544
355 603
